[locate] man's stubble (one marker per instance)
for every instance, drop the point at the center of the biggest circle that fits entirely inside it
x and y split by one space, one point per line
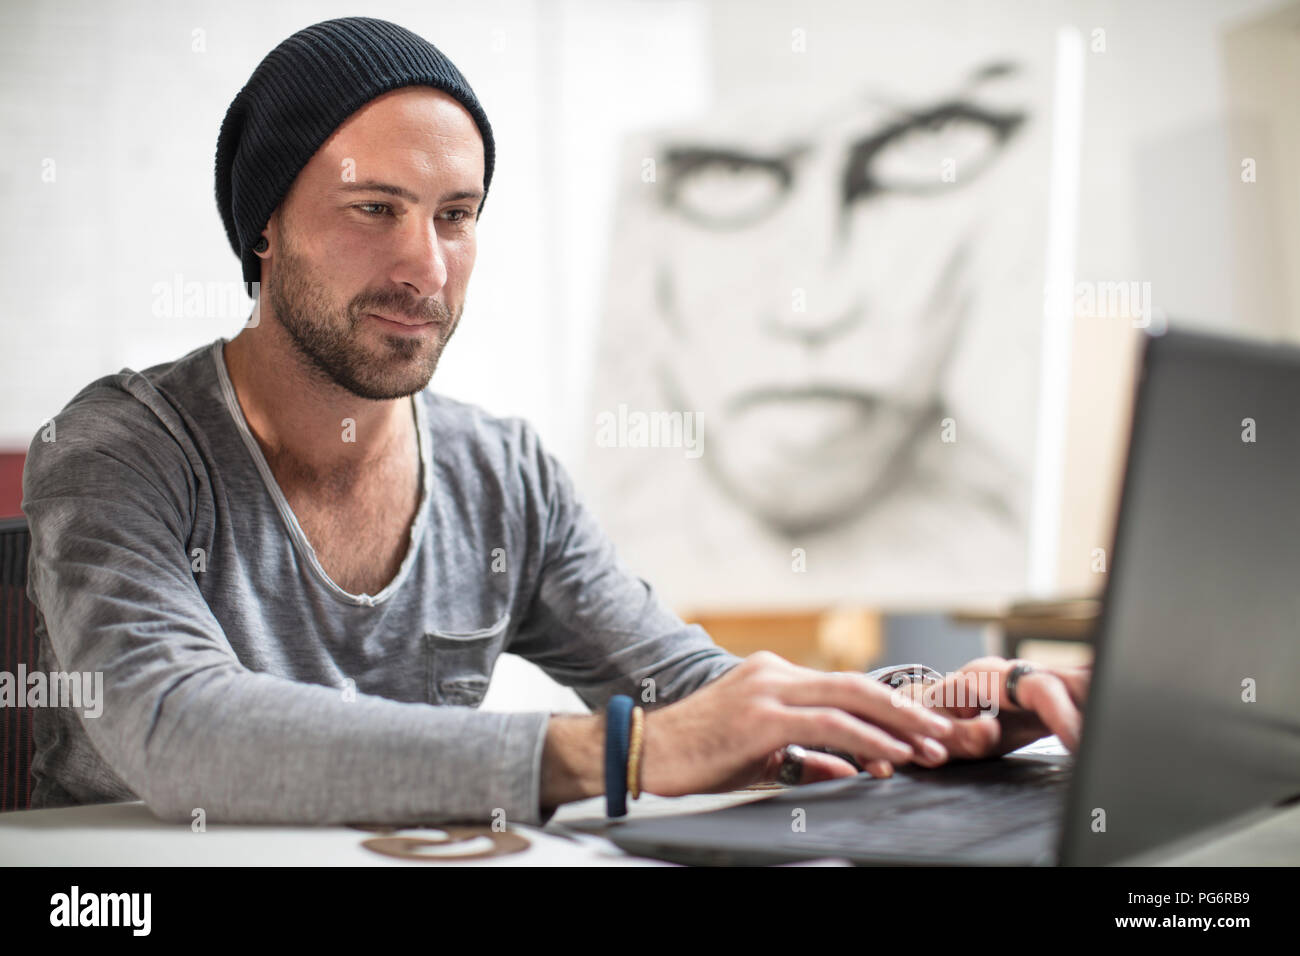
328 340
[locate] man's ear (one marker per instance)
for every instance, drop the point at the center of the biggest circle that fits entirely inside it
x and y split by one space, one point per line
271 232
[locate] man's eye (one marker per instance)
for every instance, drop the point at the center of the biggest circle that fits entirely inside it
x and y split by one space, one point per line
464 214
381 205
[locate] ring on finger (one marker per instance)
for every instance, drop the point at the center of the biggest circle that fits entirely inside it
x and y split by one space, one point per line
1013 678
791 772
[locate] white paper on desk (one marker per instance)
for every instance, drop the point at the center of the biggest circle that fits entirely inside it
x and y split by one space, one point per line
1044 745
824 861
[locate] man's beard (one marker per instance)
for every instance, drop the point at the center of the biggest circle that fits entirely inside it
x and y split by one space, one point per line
330 342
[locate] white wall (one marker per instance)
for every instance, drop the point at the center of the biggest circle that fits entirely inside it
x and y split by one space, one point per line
118 98
1158 190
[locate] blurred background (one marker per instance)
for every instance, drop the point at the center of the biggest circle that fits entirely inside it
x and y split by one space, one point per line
831 308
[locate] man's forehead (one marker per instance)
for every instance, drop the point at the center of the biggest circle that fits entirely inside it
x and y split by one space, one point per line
413 108
411 127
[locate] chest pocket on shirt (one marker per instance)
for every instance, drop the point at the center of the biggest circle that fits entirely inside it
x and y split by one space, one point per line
458 665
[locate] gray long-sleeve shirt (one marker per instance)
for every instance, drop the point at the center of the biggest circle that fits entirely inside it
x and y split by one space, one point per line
239 679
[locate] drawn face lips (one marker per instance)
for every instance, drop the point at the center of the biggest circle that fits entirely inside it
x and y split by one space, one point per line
802 456
807 422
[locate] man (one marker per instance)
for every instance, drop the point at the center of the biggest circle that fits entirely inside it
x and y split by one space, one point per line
295 565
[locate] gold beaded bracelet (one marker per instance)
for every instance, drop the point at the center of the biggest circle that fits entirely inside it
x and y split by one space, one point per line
635 740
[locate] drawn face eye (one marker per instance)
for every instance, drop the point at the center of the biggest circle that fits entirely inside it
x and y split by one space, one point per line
722 189
913 156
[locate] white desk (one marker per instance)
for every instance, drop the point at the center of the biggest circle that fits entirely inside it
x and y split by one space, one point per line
127 834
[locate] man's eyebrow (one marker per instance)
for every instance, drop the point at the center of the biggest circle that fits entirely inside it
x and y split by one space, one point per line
373 186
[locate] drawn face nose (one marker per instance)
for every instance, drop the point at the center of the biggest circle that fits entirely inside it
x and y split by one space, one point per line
823 302
813 331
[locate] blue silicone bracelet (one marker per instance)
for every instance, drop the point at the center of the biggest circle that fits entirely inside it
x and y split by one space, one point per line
618 727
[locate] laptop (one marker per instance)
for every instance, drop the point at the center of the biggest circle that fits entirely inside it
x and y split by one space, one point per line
1193 714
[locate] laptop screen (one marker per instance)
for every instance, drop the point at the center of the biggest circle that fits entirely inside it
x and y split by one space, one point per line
1194 714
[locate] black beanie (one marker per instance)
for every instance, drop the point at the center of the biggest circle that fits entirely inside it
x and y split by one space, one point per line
299 94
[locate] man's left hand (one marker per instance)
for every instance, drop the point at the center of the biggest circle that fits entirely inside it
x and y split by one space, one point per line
988 724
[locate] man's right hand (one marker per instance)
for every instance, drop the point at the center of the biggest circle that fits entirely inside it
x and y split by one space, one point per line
732 732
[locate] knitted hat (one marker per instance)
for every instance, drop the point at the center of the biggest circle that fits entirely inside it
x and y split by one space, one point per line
299 94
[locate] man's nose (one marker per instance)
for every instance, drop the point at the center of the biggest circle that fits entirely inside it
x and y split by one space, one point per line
420 261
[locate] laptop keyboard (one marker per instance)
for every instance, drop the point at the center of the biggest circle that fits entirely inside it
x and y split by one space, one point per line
935 820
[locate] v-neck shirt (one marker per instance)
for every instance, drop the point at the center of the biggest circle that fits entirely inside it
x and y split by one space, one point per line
238 677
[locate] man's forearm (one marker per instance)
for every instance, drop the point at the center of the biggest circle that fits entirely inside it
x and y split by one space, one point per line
573 759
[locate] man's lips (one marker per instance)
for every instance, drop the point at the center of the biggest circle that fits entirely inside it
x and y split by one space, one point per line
399 322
